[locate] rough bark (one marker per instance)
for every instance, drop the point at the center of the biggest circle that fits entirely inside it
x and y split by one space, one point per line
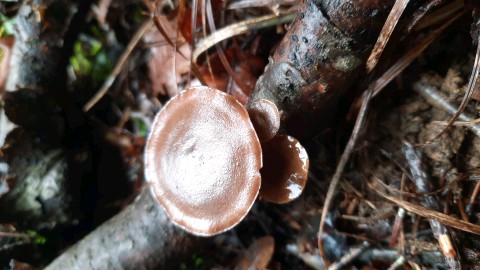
38 101
139 237
38 197
36 95
37 162
319 58
40 27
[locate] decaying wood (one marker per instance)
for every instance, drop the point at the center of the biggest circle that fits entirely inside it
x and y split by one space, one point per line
319 58
35 85
54 155
140 237
423 184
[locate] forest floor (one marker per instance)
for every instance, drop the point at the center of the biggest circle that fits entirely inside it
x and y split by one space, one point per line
412 109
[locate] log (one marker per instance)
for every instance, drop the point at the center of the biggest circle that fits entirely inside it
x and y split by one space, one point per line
139 237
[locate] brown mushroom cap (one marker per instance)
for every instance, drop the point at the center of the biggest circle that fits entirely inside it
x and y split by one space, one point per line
203 160
285 169
265 118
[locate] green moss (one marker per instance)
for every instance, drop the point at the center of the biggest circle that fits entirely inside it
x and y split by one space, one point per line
90 58
6 29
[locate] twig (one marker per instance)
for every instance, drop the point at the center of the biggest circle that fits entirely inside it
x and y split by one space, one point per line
396 264
386 32
223 57
431 214
14 234
398 224
240 28
341 166
421 180
434 98
312 259
380 45
411 55
349 257
472 84
259 3
118 67
141 236
475 191
438 15
460 123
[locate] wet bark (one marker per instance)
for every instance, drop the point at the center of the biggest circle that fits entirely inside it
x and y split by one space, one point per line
36 95
139 237
319 58
38 194
37 172
69 187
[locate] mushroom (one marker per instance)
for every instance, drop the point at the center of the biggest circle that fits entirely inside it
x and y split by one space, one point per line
265 118
203 160
285 169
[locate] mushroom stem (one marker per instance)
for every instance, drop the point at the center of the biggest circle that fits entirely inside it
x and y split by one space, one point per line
139 237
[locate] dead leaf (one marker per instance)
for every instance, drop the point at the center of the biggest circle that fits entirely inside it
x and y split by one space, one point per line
166 67
258 255
247 68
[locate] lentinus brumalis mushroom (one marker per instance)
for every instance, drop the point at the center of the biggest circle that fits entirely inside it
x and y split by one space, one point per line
286 184
203 159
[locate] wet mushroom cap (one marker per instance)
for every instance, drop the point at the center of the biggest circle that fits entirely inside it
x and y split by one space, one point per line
285 170
265 118
203 160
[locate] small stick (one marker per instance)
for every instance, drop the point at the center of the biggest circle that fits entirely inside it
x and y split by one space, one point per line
461 209
386 32
314 259
397 225
349 257
411 55
259 3
396 264
437 100
430 214
118 67
141 236
239 28
332 188
421 180
469 207
472 84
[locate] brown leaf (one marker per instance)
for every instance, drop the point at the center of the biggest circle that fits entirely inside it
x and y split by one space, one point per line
166 66
258 255
247 68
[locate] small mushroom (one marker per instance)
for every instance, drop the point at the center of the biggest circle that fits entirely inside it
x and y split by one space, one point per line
203 160
285 169
265 118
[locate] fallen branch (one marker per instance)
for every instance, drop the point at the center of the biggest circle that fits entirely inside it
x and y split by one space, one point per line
139 237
